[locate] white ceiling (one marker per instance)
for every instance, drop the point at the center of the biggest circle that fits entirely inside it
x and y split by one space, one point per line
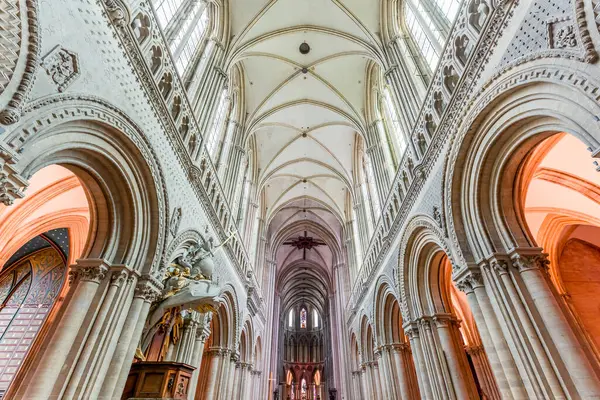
305 122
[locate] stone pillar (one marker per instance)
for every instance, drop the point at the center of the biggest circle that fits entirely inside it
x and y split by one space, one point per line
224 373
403 382
230 387
365 383
202 333
214 355
497 384
376 382
457 364
412 331
531 264
145 293
384 370
85 280
236 384
484 372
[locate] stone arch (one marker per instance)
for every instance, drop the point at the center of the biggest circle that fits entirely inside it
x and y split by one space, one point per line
499 131
421 231
107 152
507 120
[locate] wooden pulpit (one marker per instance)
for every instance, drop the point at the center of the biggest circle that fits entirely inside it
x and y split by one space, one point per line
158 380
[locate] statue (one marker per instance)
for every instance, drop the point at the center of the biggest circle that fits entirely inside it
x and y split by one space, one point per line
198 259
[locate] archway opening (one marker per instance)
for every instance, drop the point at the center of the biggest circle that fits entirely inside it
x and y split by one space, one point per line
559 200
40 236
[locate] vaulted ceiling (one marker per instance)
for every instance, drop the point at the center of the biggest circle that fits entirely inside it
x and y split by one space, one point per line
305 110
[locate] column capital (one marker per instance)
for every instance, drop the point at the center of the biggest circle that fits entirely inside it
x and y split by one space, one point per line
530 259
148 288
90 269
469 281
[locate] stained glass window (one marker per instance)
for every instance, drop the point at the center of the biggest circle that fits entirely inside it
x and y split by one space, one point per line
303 391
303 318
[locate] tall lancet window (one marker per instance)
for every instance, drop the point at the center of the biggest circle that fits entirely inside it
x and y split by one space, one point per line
184 52
303 318
291 319
393 122
165 9
218 125
422 41
449 8
315 319
303 390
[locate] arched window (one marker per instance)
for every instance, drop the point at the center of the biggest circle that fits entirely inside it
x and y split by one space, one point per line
373 195
449 8
165 10
392 122
303 318
303 390
315 319
291 318
30 282
418 32
218 123
197 23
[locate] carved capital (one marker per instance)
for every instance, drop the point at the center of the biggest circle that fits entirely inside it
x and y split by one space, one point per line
527 261
470 282
88 270
149 289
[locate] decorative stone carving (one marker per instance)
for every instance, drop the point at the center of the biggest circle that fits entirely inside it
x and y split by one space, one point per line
141 27
62 66
118 12
462 49
450 78
149 289
438 103
430 125
561 34
10 37
478 13
88 270
11 183
526 262
175 221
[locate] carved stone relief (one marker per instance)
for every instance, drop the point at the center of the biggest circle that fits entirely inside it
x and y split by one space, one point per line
10 37
62 66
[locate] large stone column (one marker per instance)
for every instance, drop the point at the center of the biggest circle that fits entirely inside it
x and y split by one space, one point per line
457 364
145 293
504 380
531 265
202 333
412 331
214 356
402 381
87 279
